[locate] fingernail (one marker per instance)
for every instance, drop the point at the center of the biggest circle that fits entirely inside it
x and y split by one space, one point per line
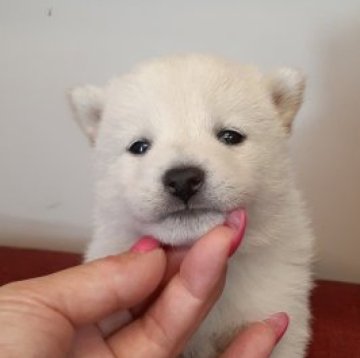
279 322
237 221
145 244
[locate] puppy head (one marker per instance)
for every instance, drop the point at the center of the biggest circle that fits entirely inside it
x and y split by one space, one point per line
182 141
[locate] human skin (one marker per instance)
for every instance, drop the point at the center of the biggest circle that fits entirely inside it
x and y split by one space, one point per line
57 315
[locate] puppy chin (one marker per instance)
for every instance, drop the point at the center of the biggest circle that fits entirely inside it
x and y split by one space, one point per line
177 231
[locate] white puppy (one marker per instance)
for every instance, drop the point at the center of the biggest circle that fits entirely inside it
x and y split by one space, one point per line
180 142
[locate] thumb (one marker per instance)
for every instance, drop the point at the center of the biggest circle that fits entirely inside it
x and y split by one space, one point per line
89 292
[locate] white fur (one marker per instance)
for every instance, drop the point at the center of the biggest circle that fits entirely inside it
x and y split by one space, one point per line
179 103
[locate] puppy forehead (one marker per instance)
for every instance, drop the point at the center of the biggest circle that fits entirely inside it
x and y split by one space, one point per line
188 90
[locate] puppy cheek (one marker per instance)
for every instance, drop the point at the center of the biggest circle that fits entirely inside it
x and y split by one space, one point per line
144 203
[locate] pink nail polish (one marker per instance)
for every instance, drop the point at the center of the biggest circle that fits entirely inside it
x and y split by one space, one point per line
279 322
237 221
145 244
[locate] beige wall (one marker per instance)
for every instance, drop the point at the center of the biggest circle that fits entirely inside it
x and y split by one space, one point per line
48 46
327 155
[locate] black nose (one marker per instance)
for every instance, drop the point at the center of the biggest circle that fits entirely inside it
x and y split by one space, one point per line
183 182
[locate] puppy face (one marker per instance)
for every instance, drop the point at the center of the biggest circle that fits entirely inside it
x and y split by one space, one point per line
182 141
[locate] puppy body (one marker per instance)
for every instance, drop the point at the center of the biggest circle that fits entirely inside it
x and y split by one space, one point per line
181 106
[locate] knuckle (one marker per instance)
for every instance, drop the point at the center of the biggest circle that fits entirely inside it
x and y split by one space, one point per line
156 333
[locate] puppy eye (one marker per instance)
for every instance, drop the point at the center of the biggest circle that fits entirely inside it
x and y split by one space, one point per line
230 137
139 147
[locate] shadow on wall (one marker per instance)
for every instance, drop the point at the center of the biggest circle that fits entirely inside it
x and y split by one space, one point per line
328 158
20 232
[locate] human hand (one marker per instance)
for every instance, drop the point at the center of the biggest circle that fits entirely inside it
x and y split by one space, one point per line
41 317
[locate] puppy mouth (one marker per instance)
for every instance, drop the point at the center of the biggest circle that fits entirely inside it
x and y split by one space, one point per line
188 214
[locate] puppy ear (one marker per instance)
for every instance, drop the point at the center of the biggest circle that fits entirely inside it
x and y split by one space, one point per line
87 103
287 87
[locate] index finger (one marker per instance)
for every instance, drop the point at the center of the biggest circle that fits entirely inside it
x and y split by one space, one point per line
165 328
